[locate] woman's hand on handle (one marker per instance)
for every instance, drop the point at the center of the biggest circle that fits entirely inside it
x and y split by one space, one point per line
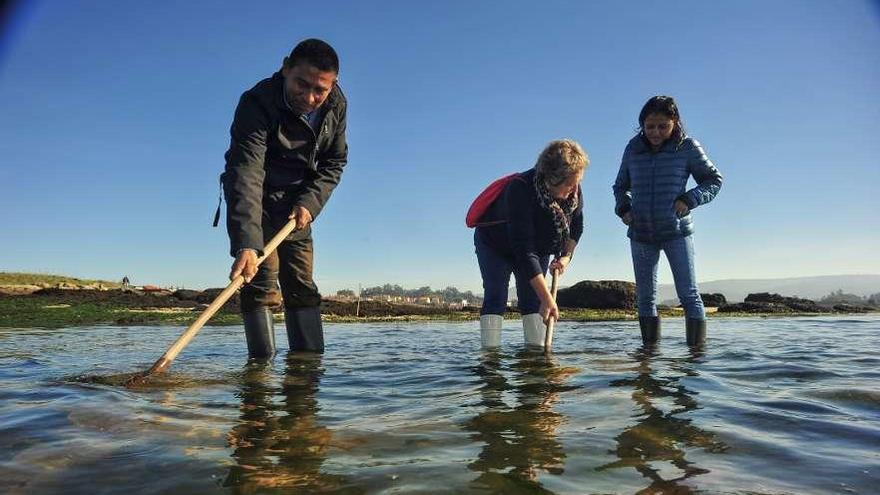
558 265
549 310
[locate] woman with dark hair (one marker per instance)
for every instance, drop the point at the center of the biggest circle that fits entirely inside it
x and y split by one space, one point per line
652 199
538 214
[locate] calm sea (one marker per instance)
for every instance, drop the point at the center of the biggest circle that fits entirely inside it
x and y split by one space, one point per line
769 406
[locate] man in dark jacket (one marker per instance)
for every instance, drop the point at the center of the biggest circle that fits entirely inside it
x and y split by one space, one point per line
286 156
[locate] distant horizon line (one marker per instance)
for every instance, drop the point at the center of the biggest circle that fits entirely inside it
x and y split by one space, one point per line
365 286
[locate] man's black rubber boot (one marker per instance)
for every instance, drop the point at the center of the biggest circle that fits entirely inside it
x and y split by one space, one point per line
260 333
304 329
650 327
696 331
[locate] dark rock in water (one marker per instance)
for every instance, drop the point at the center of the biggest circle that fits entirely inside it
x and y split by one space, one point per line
207 296
186 294
755 307
851 308
713 300
764 302
129 299
768 297
602 294
795 303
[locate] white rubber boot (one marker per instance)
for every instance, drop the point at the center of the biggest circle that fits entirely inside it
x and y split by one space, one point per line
533 330
490 331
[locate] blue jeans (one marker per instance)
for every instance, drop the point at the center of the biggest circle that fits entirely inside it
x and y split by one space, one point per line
680 254
495 270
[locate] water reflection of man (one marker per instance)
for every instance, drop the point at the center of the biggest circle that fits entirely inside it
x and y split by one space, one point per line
656 437
519 440
279 444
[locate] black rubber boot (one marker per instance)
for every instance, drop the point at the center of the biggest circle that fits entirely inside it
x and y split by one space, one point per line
260 333
650 327
696 331
304 329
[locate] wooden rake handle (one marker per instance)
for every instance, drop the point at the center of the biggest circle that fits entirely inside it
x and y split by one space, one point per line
164 362
548 336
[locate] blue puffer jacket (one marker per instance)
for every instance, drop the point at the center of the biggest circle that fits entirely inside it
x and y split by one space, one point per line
649 182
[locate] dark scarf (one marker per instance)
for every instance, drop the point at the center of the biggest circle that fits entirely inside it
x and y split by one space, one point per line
560 209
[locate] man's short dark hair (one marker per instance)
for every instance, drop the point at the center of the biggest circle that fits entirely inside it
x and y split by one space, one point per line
316 53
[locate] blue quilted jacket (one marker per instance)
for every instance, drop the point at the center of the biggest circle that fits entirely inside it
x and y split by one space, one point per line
649 182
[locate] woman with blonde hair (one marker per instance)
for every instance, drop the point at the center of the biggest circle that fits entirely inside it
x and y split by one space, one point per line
539 213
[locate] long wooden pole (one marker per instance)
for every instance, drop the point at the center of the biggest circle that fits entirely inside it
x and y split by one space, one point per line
164 362
548 336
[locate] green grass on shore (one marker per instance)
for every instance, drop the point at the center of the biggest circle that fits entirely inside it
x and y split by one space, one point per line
52 312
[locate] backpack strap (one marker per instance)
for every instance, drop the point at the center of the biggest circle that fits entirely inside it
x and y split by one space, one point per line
219 201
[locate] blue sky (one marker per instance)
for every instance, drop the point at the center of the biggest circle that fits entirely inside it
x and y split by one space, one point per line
115 118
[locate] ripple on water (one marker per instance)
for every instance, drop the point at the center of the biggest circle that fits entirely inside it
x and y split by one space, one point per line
863 400
801 407
776 371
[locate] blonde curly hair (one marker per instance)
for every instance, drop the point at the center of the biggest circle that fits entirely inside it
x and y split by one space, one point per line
561 160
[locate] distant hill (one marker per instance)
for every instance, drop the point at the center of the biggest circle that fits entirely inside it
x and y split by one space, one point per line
18 278
735 290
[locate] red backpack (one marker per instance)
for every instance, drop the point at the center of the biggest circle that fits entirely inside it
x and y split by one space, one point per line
485 199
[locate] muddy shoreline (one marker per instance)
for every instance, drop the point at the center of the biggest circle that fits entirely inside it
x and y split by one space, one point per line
55 307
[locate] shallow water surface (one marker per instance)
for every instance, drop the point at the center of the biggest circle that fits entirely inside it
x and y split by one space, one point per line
768 406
